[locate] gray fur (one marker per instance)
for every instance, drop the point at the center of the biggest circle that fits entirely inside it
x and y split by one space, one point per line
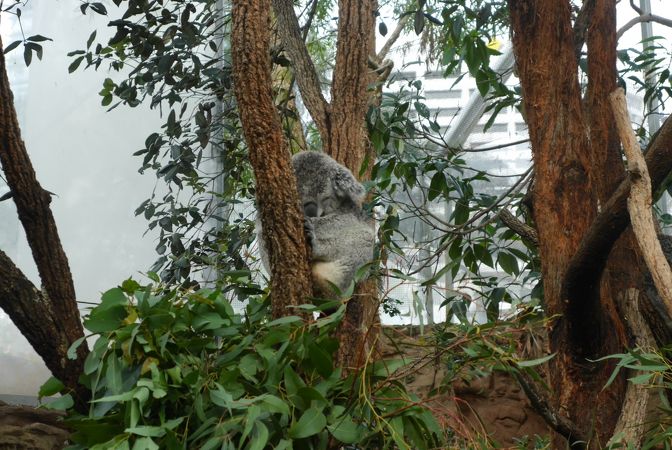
336 227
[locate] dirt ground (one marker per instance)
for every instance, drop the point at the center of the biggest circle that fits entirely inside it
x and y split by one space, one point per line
492 405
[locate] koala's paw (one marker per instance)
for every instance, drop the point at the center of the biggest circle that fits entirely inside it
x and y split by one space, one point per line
309 230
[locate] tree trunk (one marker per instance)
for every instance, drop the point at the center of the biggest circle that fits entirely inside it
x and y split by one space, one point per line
348 143
277 197
56 305
342 128
573 175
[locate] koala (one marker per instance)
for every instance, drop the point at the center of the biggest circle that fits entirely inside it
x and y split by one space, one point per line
336 227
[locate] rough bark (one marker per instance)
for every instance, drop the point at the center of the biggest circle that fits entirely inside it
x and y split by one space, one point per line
277 196
566 192
348 140
349 145
58 305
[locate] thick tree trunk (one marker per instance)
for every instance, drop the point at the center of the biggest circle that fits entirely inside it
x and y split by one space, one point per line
348 139
574 174
348 144
277 197
57 304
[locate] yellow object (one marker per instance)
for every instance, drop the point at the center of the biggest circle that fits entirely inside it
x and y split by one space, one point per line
495 44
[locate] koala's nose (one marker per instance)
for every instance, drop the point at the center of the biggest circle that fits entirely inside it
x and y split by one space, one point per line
310 209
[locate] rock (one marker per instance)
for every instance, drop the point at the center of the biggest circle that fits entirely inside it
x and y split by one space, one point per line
28 428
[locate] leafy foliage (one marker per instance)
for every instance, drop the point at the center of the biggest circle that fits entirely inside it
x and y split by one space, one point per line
652 370
175 369
435 204
174 56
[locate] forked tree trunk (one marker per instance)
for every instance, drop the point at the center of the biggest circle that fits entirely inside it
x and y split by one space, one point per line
577 169
48 319
342 129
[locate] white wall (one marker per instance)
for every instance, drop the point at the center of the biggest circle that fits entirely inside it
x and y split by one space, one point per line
83 154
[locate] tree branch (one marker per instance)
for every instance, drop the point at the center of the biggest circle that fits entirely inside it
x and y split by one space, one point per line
630 423
32 204
382 54
586 267
581 26
558 422
521 229
643 18
348 141
640 202
306 76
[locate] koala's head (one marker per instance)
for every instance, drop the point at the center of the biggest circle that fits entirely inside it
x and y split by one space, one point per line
325 186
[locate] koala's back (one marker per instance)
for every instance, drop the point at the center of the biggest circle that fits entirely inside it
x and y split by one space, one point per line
340 235
342 243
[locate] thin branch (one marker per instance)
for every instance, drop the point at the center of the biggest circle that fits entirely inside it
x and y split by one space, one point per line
640 202
643 18
558 422
521 229
394 36
311 16
304 70
636 8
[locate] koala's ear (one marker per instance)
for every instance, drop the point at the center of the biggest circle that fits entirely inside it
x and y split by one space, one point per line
346 186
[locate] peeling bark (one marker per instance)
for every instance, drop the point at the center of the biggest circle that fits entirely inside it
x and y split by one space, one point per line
640 203
277 197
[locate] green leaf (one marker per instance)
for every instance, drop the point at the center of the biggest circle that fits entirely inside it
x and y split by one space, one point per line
321 360
145 443
61 403
535 362
250 418
311 422
27 55
259 436
50 387
109 314
12 46
508 263
274 404
75 64
72 350
386 367
38 38
147 431
130 286
346 430
284 320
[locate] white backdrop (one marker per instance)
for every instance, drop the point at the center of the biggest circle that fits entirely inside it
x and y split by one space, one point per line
83 154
